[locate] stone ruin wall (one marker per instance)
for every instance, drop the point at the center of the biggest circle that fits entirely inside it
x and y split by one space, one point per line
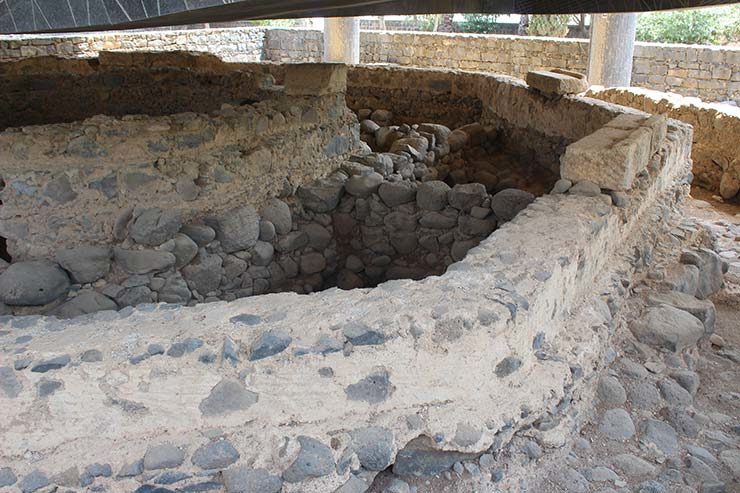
85 183
411 375
716 149
709 72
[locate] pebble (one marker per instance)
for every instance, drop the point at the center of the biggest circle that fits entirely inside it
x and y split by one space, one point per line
216 454
314 460
617 424
227 396
269 344
55 363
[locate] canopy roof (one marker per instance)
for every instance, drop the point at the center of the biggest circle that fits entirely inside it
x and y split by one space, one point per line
48 16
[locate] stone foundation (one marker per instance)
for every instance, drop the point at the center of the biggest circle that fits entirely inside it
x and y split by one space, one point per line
317 392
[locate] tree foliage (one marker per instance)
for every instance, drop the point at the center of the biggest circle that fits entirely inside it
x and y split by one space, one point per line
695 26
478 23
548 25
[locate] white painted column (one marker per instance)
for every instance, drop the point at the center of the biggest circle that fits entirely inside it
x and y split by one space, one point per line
611 50
342 39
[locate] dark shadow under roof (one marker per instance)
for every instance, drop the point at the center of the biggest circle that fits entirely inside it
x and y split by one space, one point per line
48 16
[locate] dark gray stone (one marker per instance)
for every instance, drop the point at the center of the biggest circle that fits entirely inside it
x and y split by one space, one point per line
571 480
466 196
586 189
360 334
32 283
84 303
85 264
9 382
507 366
155 226
263 253
164 456
51 364
184 249
632 465
667 327
246 319
318 236
662 435
46 387
711 271
292 241
230 351
175 290
610 392
143 261
95 471
269 344
204 273
674 394
7 477
322 195
616 424
420 457
171 477
243 479
91 356
432 195
135 296
561 186
278 213
374 447
227 396
33 481
108 185
373 389
199 233
237 229
702 309
398 193
216 454
507 203
314 460
60 190
132 469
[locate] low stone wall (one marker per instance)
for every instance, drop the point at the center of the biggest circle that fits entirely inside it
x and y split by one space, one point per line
44 90
709 72
716 148
77 183
231 44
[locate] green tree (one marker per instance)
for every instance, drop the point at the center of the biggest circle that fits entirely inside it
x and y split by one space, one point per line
695 26
548 25
478 23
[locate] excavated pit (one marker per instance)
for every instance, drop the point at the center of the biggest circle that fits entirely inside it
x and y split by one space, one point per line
467 274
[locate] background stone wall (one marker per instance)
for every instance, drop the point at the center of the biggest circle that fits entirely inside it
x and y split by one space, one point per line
709 72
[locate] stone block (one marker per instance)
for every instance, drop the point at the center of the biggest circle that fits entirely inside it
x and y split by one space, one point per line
612 156
557 81
315 79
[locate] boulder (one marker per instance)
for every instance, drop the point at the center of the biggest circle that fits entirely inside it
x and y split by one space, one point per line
397 193
667 327
85 264
143 261
278 213
507 203
237 229
322 195
204 273
84 303
701 309
711 271
155 226
465 197
33 283
363 185
432 195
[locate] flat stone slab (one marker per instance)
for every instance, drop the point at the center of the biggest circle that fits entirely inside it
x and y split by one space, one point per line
557 82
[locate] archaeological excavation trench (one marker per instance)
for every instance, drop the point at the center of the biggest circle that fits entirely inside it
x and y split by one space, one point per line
292 277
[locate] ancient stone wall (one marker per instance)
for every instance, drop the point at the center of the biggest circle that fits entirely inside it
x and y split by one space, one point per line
709 72
45 90
232 44
716 149
76 183
534 126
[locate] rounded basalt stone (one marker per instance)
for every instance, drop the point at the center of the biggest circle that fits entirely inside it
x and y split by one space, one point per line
617 425
314 460
155 226
278 213
243 479
33 283
363 185
610 392
237 229
374 447
215 455
143 261
85 264
164 456
394 194
84 303
465 197
199 233
507 203
432 195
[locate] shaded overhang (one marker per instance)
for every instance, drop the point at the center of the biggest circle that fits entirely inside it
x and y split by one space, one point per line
50 16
